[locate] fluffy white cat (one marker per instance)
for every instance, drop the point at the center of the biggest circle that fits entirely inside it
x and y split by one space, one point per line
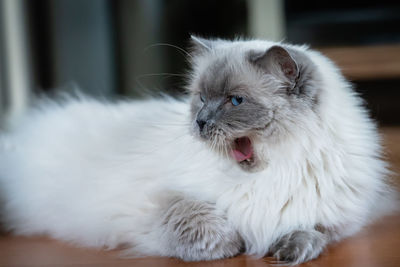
272 152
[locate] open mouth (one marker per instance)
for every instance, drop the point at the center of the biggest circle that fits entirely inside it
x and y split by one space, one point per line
243 150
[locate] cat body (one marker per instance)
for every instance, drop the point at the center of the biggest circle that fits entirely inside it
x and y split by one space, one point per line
272 153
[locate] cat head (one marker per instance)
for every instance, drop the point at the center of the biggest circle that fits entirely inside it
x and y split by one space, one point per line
247 95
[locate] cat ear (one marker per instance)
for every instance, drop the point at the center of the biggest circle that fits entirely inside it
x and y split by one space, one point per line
200 45
277 61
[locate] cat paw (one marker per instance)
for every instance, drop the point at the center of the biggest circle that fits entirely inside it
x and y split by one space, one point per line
195 231
299 246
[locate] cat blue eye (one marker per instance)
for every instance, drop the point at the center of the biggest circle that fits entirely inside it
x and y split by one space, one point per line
202 98
236 100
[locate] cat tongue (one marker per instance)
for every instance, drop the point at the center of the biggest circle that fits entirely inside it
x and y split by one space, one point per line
243 149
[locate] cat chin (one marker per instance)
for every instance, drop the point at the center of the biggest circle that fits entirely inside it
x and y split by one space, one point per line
255 164
252 165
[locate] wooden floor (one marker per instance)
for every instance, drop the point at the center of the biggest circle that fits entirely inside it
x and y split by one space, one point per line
377 245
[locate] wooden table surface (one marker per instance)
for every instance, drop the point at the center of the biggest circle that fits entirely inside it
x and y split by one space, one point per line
377 245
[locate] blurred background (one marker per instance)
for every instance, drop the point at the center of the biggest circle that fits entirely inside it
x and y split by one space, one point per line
120 48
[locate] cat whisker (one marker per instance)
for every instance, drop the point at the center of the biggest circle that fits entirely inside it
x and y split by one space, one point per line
226 149
165 74
145 91
159 124
186 53
171 124
159 74
213 144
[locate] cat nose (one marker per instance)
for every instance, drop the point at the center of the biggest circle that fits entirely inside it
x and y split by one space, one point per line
201 124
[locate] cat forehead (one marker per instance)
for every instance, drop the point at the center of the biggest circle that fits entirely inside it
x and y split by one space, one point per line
219 79
227 75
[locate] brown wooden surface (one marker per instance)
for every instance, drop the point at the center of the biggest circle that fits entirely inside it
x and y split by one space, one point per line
366 62
377 245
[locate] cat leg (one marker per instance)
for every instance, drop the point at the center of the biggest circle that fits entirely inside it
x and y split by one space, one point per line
299 246
193 230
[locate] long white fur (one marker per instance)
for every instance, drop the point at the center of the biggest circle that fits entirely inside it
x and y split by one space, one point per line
95 173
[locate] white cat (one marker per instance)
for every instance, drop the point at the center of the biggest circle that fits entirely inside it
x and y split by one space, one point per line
272 153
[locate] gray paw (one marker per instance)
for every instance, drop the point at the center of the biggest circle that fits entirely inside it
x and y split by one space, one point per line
299 246
196 231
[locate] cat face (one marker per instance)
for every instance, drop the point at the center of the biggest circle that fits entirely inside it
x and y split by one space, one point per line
242 97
